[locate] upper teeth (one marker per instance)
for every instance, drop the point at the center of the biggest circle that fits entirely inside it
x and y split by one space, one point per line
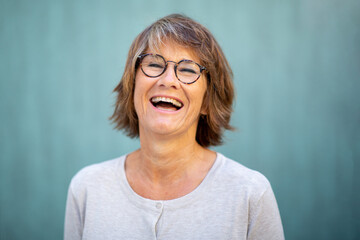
165 99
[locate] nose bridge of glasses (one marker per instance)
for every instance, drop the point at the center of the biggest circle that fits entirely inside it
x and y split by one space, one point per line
171 69
175 66
175 63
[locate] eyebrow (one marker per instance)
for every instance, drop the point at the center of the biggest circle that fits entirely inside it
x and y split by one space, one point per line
186 59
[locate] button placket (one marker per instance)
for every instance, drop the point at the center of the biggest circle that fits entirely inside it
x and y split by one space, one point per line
158 205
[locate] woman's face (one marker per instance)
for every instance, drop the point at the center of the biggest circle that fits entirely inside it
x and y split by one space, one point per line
155 98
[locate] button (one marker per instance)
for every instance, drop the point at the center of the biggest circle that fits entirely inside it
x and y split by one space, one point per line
158 205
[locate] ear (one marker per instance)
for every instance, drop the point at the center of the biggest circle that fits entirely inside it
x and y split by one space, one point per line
203 111
205 104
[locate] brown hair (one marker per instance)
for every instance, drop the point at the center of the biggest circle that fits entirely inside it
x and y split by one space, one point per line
219 95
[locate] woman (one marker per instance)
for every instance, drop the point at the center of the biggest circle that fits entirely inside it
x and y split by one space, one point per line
176 95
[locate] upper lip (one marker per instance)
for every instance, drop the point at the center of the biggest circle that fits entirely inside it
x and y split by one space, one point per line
175 101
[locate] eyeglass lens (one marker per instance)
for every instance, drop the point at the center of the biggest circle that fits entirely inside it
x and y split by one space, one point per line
187 71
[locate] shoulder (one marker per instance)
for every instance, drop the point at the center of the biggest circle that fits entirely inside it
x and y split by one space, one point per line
237 176
95 174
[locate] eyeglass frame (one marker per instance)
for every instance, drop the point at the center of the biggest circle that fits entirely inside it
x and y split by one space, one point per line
142 56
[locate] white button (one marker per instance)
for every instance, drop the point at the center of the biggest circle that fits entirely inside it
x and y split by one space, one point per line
158 205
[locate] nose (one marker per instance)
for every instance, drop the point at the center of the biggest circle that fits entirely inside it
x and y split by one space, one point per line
168 78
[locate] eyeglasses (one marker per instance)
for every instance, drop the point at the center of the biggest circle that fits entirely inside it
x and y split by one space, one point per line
186 71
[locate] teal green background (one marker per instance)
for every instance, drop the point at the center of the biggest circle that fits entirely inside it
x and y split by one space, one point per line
297 111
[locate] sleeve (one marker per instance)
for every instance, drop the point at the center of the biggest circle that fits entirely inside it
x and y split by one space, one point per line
264 219
73 218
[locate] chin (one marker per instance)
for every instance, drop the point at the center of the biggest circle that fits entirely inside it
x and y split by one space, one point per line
164 129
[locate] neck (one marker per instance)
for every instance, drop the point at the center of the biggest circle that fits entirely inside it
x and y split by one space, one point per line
164 159
167 168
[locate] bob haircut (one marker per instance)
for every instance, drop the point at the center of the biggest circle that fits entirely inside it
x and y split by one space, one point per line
219 95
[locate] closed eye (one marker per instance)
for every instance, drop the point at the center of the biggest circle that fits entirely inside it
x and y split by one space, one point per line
187 70
155 65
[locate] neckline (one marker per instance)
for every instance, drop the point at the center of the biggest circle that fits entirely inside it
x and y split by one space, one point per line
142 202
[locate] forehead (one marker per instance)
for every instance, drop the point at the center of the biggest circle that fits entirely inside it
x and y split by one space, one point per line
173 51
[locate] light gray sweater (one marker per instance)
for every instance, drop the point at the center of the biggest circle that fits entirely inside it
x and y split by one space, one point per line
232 202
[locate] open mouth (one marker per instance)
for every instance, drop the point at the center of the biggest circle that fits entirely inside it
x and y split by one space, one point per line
165 103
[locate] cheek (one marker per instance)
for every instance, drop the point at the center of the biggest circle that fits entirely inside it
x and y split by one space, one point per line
136 92
204 100
141 91
201 92
137 95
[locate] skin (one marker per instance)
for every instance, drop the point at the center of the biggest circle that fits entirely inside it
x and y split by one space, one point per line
170 163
